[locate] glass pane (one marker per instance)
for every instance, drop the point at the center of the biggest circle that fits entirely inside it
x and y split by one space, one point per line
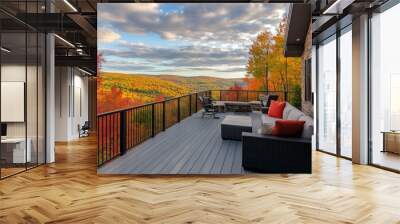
385 84
13 86
31 98
327 96
346 94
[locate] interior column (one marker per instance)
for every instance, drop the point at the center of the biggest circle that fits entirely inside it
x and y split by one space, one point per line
360 90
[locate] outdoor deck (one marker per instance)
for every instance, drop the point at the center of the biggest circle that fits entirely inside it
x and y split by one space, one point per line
193 146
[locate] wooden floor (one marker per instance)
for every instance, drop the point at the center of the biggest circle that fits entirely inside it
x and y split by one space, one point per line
387 159
70 191
193 146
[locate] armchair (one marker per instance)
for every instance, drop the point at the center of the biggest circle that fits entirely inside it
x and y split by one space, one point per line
208 107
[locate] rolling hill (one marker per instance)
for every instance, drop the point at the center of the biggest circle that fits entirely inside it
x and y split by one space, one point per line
118 90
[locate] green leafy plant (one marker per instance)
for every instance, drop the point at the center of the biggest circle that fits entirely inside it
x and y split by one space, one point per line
295 98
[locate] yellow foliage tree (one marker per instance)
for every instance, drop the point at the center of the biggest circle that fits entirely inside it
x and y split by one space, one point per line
267 63
259 57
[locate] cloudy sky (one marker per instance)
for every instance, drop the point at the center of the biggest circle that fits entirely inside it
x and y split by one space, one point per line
182 39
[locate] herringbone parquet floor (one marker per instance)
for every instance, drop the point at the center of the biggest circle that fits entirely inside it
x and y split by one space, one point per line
70 191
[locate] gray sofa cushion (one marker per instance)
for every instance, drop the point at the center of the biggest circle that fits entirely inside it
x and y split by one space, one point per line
295 114
287 110
308 129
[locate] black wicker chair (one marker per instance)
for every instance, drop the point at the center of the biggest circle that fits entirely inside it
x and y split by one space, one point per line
271 154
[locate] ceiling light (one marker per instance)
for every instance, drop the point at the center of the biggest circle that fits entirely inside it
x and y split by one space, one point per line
84 71
64 40
5 50
337 7
70 5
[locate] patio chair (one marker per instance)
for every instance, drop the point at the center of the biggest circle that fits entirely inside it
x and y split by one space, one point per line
208 107
84 129
266 101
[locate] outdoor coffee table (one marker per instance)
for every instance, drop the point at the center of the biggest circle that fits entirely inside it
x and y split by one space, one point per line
219 105
237 106
391 141
233 125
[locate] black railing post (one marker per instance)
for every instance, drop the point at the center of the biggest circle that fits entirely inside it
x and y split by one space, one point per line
163 119
196 102
152 120
179 109
122 131
190 104
237 95
98 142
247 96
285 96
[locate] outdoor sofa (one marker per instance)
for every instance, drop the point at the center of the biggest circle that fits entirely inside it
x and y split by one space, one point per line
272 154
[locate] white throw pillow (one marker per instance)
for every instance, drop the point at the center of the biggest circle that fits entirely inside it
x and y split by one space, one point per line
266 128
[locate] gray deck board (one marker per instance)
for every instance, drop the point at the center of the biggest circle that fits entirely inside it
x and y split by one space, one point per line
193 146
198 151
237 161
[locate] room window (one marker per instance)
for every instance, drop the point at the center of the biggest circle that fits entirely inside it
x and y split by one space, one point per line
385 89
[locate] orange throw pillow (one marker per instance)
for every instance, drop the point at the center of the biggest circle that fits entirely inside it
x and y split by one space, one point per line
276 109
288 128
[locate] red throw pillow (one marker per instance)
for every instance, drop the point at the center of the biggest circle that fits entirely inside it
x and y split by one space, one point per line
276 109
288 128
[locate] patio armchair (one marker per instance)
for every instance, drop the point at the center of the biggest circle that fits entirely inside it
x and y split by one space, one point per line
84 129
208 107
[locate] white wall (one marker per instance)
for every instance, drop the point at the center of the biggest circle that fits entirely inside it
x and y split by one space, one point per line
61 103
71 102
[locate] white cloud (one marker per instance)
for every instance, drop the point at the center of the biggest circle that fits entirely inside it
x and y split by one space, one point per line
227 22
106 35
210 34
168 35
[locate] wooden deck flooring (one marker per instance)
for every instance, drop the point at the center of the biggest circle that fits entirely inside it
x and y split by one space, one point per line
193 146
70 191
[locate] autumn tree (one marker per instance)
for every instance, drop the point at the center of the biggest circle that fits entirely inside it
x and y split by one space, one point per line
259 55
284 71
267 66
